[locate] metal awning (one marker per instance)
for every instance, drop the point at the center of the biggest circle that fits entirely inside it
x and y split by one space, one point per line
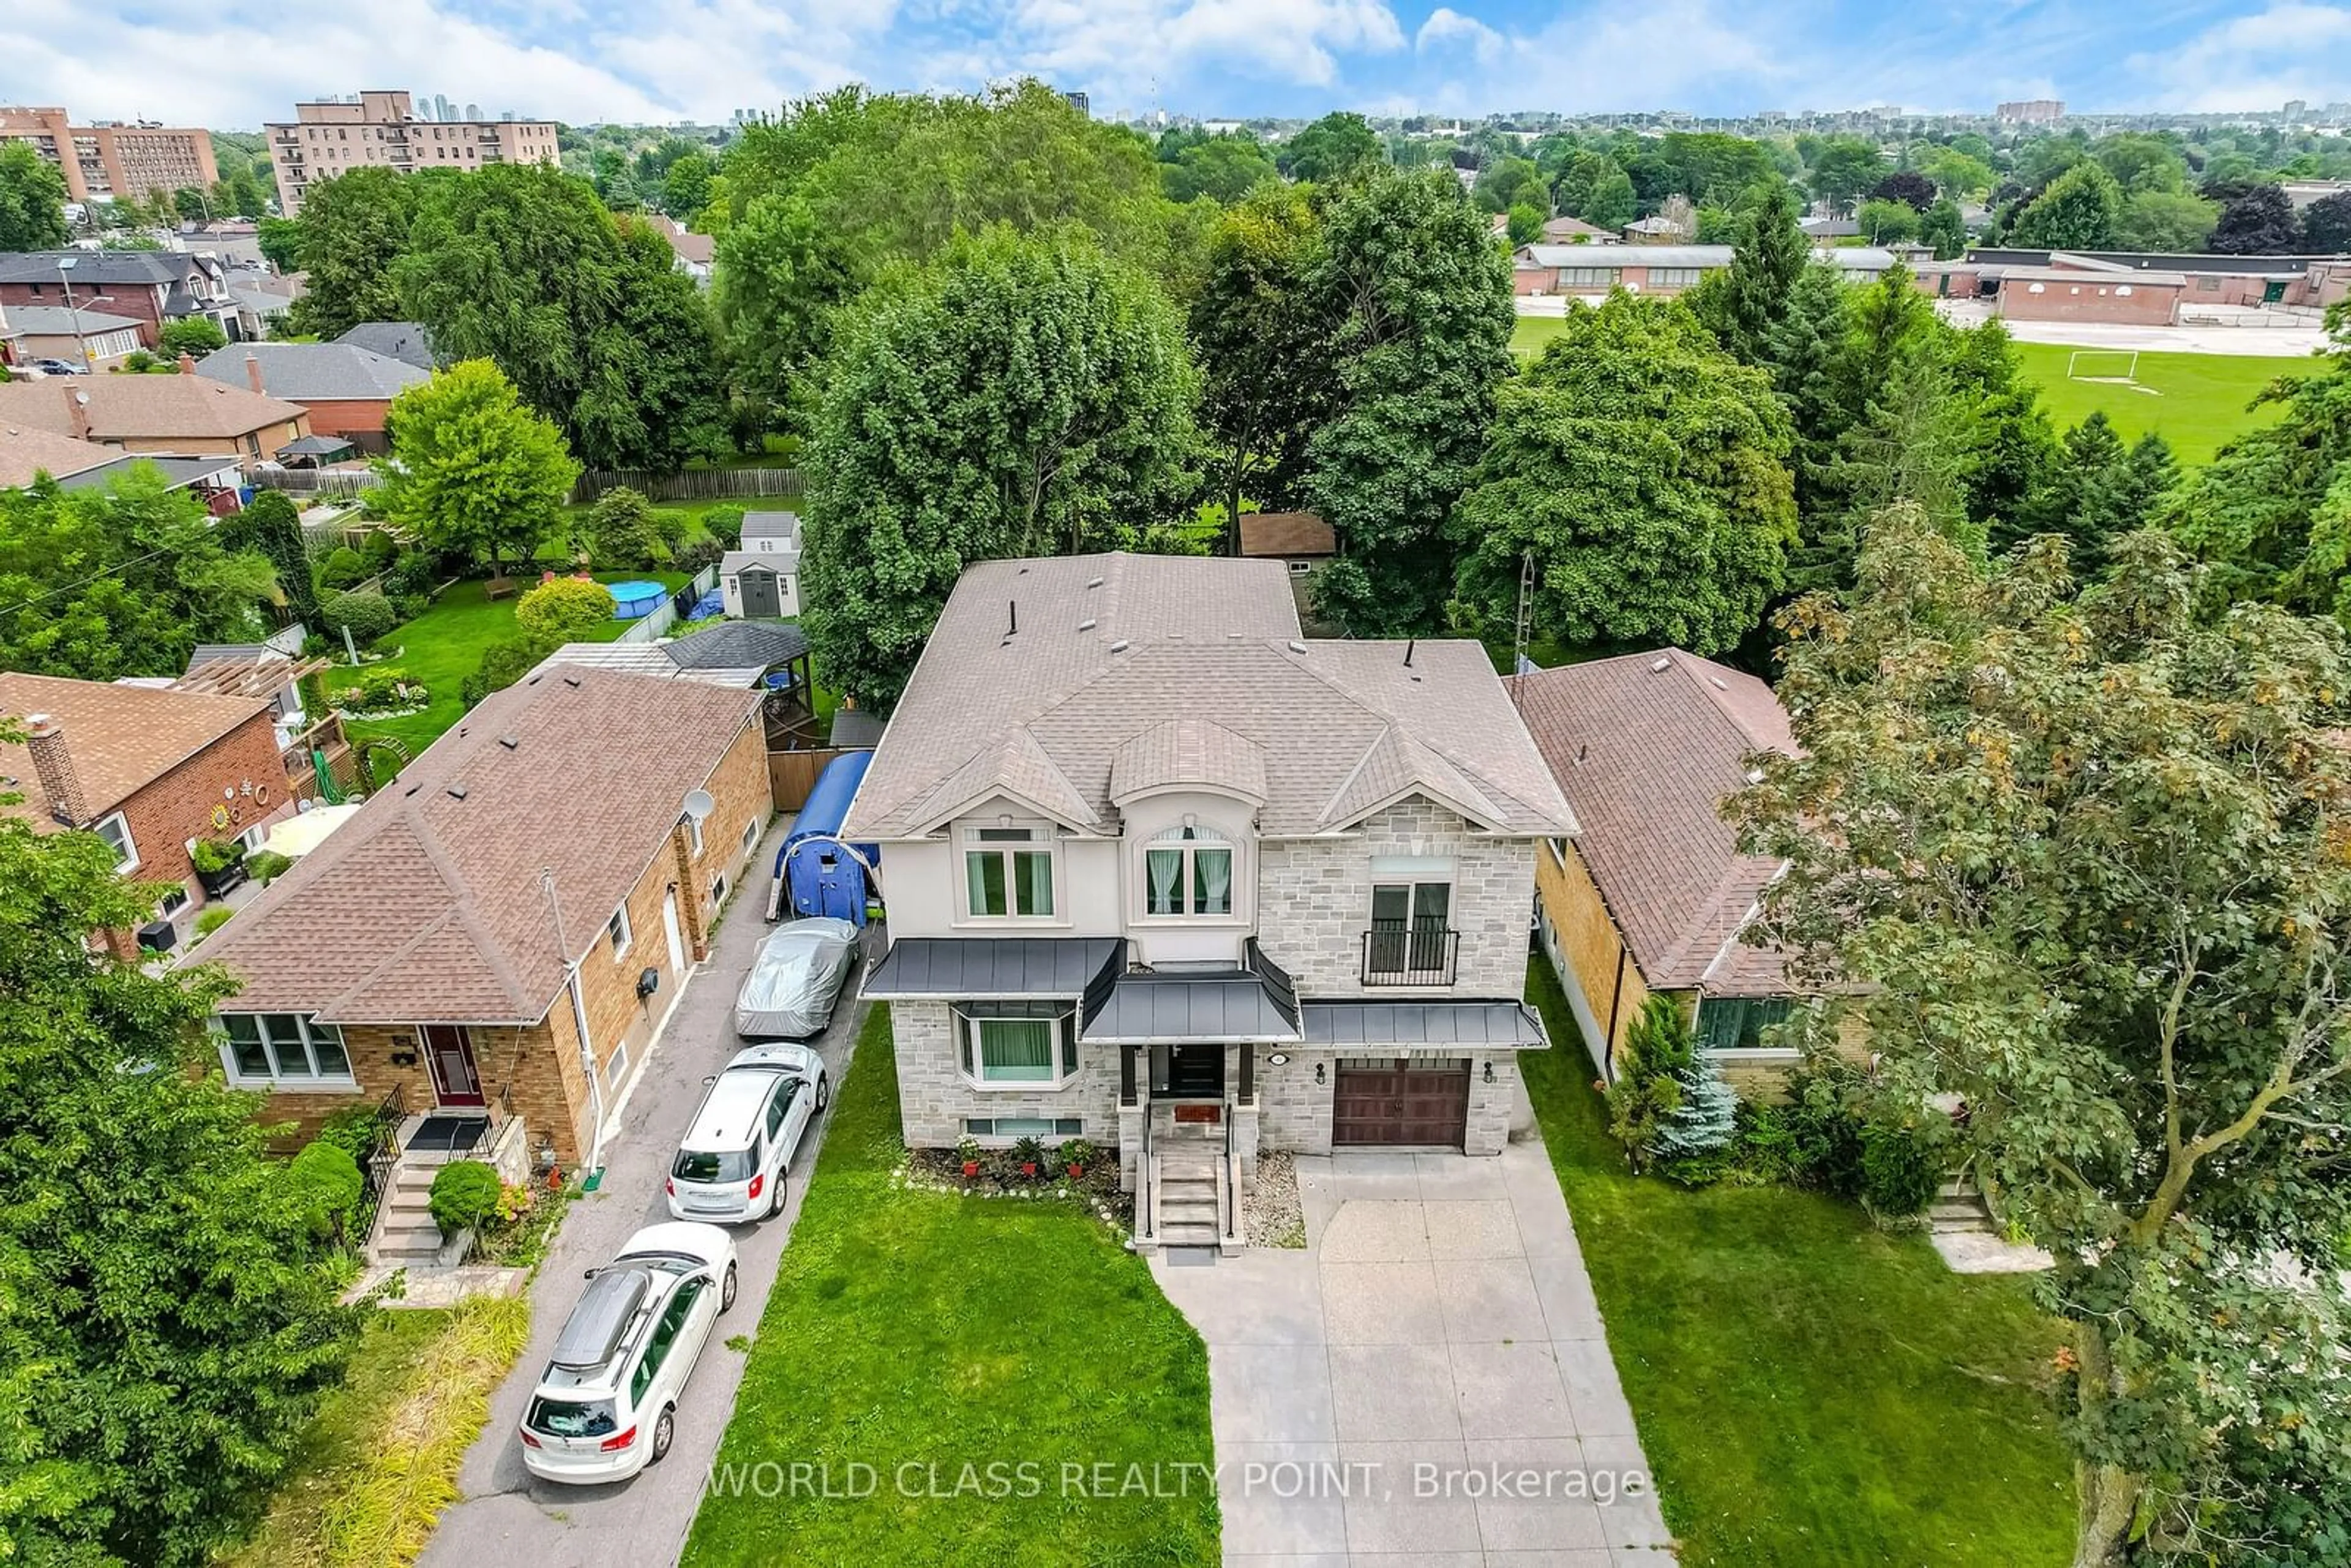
983 968
1253 1003
1511 1026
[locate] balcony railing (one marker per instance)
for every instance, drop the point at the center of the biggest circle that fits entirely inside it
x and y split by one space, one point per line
1401 953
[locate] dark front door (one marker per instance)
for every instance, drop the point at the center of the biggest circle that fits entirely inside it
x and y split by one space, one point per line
455 1077
1193 1072
760 597
1424 1103
2273 293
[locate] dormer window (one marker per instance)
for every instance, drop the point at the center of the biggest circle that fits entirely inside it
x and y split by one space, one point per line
1009 872
1187 872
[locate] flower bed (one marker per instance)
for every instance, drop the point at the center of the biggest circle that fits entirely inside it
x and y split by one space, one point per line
381 694
941 1170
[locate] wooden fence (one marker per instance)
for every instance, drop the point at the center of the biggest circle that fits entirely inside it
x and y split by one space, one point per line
792 774
693 484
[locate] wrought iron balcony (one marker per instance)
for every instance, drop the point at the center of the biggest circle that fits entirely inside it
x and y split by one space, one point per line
1409 952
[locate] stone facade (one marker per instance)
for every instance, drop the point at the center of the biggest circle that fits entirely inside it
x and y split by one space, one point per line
1294 1112
935 1098
1314 903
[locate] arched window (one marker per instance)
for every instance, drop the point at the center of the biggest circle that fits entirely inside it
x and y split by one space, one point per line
1188 871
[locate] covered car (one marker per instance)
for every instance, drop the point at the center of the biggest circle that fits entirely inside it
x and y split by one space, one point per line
795 979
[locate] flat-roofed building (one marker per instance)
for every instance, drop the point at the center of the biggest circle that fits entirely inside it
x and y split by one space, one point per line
382 130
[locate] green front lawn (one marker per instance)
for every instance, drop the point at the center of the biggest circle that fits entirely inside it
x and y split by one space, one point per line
1809 1390
915 1333
2196 401
445 644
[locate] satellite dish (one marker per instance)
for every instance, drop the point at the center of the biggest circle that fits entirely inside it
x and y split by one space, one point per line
699 805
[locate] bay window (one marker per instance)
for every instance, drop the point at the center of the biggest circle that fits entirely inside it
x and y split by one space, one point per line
1008 873
1016 1045
1188 871
282 1050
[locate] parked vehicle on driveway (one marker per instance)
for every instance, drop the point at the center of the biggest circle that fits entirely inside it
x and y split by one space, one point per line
731 1164
795 979
58 367
606 1407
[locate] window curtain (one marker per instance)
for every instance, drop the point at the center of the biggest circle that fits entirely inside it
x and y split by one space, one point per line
1016 1051
1164 869
1736 1023
1212 881
984 871
1034 873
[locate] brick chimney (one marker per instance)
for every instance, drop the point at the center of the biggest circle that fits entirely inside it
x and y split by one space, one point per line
77 409
44 737
187 364
253 374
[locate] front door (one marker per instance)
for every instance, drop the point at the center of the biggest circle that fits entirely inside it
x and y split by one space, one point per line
669 930
2273 293
760 597
1194 1072
455 1079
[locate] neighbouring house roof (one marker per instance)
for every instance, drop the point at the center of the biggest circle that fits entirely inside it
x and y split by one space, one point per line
404 341
315 446
1561 230
687 245
29 451
427 906
103 266
1287 534
1647 746
1655 226
314 372
260 301
1110 647
121 739
856 730
651 659
144 408
733 644
177 472
57 322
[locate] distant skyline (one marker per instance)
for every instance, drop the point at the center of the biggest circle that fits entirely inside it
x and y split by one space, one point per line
242 63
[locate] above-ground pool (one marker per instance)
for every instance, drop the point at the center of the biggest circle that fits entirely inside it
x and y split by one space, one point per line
632 600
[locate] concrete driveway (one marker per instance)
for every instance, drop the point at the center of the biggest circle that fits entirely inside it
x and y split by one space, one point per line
1427 1383
505 1516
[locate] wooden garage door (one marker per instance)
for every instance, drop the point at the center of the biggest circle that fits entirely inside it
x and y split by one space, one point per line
1425 1103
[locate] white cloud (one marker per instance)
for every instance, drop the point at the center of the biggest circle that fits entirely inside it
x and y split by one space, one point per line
1125 48
1447 28
2293 49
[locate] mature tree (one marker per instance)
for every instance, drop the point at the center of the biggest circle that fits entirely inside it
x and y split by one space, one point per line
589 316
193 335
1843 168
1338 146
1957 175
1224 168
615 181
2256 220
1016 397
474 471
2165 221
271 527
32 200
165 1321
564 611
620 529
2080 210
1507 182
1612 202
2143 160
2076 859
685 186
1645 472
1805 351
1260 334
780 275
1740 304
1944 229
1420 298
1888 223
2326 223
1908 186
2098 491
280 240
354 232
122 582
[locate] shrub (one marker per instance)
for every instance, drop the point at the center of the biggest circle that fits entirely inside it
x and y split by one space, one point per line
503 664
193 335
354 1129
563 610
724 524
212 920
699 554
1764 1148
209 855
1648 1092
620 530
1824 1125
1900 1169
328 1181
414 573
343 567
464 1194
366 616
266 866
379 549
382 691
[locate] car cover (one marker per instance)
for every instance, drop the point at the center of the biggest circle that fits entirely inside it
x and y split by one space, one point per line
795 979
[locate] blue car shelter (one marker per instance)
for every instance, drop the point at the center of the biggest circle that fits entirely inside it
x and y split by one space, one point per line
816 872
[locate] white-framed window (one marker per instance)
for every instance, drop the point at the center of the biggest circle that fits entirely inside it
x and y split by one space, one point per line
1301 567
718 888
618 933
116 832
1587 276
1008 873
1018 1045
282 1050
751 834
175 899
618 1068
1188 874
694 836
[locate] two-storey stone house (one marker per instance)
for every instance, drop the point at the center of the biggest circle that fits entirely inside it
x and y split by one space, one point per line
1159 868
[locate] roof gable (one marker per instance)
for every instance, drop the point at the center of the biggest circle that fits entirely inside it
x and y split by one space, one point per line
121 739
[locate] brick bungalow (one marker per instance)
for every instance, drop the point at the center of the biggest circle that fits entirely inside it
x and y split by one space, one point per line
149 771
348 388
520 910
186 415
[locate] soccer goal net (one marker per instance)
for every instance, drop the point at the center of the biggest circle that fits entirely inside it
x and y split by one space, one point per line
2102 365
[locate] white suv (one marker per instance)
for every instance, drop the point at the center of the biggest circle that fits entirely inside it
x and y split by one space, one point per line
606 1407
730 1165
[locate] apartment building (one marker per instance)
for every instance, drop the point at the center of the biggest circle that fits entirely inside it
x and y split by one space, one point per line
114 159
380 129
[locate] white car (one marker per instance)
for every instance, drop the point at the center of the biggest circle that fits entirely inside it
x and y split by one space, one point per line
606 1407
730 1165
795 979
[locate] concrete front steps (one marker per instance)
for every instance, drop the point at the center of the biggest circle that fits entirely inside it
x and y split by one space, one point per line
1187 1199
1958 1208
405 1235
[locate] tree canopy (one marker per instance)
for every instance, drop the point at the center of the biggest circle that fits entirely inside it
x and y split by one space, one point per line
1019 396
1644 471
1338 146
474 471
353 231
2080 210
32 199
2256 220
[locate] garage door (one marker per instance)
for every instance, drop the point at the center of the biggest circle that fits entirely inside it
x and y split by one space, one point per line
1424 1103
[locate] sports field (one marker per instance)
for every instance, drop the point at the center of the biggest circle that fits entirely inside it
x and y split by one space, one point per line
2196 401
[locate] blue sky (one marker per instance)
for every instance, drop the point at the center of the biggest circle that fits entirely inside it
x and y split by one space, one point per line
245 60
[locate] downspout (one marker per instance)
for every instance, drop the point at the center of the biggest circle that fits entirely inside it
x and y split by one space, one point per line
578 1021
1615 1000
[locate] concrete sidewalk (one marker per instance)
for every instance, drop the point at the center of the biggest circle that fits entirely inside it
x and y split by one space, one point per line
1427 1383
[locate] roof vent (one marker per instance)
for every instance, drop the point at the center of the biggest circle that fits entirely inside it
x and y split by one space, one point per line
1755 775
571 681
1087 624
456 791
1661 667
1120 646
1410 643
409 791
1296 646
1582 751
510 741
1093 583
1719 683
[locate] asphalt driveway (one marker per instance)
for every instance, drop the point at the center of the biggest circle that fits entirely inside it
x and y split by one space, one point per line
1429 1383
505 1516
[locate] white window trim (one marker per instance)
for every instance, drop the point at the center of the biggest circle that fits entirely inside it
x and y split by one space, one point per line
967 1026
750 835
330 1084
1239 896
625 937
129 861
1047 841
694 833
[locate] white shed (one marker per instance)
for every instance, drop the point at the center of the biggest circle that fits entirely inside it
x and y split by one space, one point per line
762 579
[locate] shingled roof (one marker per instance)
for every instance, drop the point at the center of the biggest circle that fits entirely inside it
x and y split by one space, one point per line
155 408
1645 747
121 738
1073 681
427 906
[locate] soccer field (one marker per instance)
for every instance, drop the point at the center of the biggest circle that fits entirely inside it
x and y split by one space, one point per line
2196 401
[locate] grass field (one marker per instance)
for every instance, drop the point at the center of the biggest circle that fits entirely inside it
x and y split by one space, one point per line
1810 1392
1528 337
921 1332
2196 401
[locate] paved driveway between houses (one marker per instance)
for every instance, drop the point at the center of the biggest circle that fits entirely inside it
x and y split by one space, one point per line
505 1516
1428 1380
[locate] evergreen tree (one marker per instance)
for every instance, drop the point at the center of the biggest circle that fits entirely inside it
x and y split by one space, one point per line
1706 1116
2098 491
1743 303
1945 230
1646 1091
271 526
